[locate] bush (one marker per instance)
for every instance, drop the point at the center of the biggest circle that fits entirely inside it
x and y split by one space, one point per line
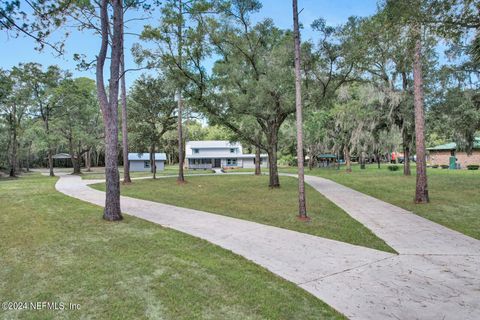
473 166
287 160
393 168
435 166
445 166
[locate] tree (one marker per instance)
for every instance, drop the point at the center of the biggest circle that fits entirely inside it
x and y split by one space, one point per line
458 21
317 126
43 84
354 114
455 114
152 113
172 47
327 66
109 103
15 101
108 24
77 117
421 191
243 51
123 97
413 14
302 208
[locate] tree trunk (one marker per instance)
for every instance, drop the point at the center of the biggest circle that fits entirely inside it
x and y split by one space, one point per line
346 152
310 161
274 181
126 168
76 165
88 160
50 162
421 191
180 177
153 165
362 160
28 156
258 170
50 151
75 159
13 153
302 208
406 161
109 105
378 160
151 160
97 158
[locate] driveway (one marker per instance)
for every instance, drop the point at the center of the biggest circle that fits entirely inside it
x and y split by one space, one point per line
435 276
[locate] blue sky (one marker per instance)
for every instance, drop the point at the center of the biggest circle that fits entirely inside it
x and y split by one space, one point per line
17 50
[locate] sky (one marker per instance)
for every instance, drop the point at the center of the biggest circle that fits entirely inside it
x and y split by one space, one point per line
18 50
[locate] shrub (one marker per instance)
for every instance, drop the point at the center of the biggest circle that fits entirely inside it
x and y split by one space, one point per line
473 166
393 168
435 166
445 166
287 160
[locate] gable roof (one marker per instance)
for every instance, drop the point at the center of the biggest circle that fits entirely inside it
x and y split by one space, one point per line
213 144
145 156
453 145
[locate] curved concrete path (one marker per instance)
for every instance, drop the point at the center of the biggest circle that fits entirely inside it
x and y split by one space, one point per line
423 282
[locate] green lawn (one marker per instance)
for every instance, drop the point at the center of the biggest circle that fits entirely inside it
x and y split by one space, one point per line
58 249
248 197
454 194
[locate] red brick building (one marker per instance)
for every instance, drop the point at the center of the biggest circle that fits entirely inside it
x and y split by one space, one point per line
441 154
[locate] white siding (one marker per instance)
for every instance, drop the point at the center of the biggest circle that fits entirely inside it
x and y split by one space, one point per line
248 163
139 165
214 152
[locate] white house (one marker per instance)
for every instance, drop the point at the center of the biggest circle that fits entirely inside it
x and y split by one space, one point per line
141 161
219 154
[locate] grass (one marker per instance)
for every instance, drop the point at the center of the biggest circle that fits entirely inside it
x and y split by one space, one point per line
454 197
99 173
58 249
249 198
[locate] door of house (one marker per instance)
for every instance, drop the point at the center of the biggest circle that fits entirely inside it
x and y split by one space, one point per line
217 163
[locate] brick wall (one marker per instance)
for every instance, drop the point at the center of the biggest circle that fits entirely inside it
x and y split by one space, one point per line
465 160
442 157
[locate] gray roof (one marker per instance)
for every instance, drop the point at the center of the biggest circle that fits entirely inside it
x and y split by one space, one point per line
213 144
145 156
62 156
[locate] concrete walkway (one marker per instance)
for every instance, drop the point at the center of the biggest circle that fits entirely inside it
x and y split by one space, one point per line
404 231
423 282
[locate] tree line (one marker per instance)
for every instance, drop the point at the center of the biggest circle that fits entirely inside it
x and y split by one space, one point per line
368 87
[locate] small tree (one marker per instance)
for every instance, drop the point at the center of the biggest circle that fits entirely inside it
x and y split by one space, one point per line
152 113
77 118
15 103
302 208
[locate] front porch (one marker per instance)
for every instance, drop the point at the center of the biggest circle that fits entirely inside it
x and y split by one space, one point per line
211 163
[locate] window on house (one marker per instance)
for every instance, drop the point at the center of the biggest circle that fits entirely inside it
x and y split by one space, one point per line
233 150
231 162
196 151
146 164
